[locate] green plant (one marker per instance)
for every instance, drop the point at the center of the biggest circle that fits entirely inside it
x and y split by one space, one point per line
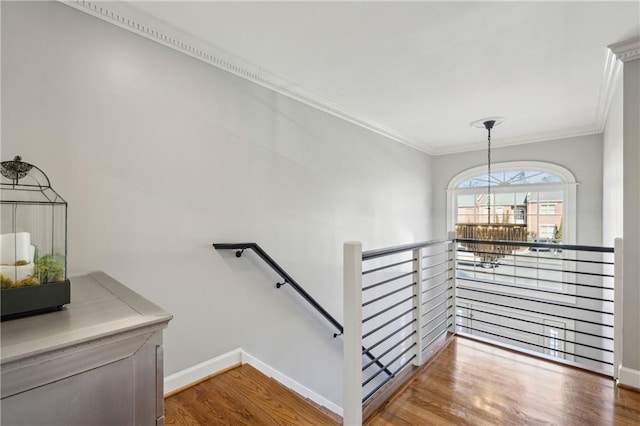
6 282
49 268
559 232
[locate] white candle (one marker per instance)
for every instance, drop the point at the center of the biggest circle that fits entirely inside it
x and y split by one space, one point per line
15 247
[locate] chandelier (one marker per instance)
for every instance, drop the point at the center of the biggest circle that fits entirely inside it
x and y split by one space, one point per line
490 251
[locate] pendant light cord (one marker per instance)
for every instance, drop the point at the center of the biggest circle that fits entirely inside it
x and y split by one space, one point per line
489 172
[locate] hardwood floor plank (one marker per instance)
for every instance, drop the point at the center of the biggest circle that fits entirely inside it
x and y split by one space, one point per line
212 405
385 418
275 400
468 383
472 383
177 414
242 396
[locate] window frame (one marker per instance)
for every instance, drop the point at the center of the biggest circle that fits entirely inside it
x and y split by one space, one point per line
569 214
568 187
547 208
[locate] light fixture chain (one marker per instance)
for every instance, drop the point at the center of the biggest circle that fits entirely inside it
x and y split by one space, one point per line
484 236
489 176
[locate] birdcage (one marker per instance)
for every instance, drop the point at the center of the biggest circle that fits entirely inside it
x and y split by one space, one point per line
33 242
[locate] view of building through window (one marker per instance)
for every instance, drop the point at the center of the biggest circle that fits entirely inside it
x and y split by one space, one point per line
541 210
541 196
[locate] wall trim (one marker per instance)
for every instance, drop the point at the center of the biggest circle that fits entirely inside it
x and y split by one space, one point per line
283 379
199 372
627 50
629 377
139 22
502 143
610 77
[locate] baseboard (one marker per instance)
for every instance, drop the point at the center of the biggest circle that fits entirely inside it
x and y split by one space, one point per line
629 377
300 389
192 375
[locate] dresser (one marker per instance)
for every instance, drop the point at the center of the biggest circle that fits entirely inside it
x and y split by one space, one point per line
99 361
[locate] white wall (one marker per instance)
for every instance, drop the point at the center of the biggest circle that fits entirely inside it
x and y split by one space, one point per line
581 155
631 243
160 155
612 171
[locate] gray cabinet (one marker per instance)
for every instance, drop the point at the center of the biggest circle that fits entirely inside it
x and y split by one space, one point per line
97 362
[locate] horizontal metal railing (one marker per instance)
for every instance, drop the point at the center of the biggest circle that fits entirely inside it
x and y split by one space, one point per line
372 254
553 300
405 297
556 301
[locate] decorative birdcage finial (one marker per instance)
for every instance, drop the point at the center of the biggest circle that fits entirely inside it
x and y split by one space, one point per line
15 169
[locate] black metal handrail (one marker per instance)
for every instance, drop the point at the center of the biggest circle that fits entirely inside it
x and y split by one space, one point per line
287 279
240 247
551 246
372 254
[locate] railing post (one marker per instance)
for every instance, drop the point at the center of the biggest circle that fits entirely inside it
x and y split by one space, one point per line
452 275
617 307
352 398
417 303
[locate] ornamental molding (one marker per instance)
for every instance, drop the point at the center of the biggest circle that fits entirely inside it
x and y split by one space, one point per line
501 143
610 77
139 22
628 50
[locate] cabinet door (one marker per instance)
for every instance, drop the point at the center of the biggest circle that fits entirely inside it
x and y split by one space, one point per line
102 396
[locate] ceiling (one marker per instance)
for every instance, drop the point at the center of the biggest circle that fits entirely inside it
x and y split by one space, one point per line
418 72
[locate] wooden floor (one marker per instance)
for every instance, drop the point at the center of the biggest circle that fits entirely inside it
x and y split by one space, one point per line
242 396
468 383
471 383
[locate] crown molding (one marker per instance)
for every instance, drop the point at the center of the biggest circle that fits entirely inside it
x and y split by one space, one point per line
506 142
139 22
610 77
628 50
132 19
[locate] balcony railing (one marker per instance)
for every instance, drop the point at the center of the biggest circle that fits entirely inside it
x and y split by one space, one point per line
549 300
399 304
555 301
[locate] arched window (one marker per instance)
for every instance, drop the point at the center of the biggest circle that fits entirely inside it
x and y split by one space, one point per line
540 195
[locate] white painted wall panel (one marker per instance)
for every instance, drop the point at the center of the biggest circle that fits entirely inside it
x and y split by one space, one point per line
160 155
631 243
